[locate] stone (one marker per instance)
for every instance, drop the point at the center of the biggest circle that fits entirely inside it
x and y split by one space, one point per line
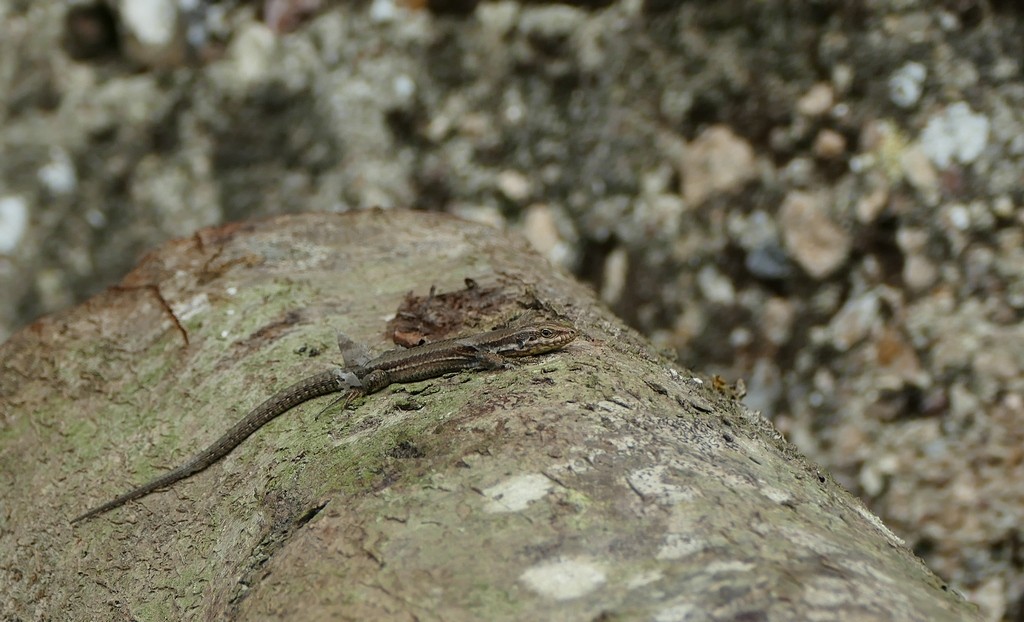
717 161
812 238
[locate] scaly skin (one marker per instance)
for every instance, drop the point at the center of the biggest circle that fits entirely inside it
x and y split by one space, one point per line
489 350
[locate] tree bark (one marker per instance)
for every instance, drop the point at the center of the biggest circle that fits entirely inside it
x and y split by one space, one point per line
599 482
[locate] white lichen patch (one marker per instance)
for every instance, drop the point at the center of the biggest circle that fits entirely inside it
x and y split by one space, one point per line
192 307
564 579
623 443
644 578
877 522
515 494
829 592
777 494
577 466
616 405
810 540
651 485
679 611
872 571
729 566
680 546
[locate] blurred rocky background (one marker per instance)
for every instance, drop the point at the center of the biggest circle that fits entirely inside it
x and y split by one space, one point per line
823 198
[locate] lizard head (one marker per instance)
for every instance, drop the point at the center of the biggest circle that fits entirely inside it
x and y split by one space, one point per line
542 336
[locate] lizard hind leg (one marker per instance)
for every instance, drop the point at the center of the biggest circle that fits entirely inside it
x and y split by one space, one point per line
348 397
345 399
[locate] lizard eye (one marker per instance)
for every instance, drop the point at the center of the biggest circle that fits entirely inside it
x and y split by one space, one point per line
547 333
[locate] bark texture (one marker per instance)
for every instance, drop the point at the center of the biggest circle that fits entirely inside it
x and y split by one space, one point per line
600 482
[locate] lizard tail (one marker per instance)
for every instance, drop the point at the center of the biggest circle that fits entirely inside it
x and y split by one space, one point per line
330 381
141 491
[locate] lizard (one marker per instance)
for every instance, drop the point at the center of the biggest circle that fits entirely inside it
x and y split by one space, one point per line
528 336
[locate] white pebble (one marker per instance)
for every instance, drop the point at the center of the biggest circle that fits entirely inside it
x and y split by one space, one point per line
13 222
960 217
383 11
58 175
151 21
905 84
404 87
956 134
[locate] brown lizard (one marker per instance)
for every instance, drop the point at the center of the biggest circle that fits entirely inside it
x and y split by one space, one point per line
488 350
